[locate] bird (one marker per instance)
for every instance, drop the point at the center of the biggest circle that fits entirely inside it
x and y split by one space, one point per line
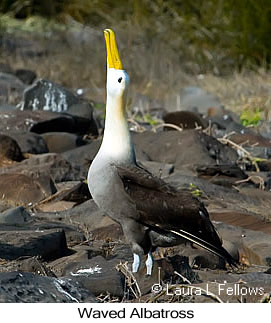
151 212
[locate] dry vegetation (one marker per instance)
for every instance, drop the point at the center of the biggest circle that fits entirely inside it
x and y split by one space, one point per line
165 45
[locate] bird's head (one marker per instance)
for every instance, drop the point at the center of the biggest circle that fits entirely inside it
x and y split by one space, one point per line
117 78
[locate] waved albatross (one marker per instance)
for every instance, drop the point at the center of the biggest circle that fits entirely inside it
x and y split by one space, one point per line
150 212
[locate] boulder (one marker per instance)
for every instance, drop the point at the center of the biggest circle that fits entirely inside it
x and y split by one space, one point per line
16 216
59 142
184 149
81 157
184 119
30 142
45 165
49 96
47 244
97 275
9 149
20 189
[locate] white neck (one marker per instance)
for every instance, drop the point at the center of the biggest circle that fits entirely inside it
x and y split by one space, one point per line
117 144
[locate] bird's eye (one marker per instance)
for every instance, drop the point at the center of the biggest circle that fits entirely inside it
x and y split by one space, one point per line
120 79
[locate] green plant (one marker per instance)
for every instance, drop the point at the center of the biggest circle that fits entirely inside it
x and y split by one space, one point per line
251 117
195 190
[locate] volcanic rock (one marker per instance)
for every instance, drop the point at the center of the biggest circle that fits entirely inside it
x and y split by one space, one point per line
20 287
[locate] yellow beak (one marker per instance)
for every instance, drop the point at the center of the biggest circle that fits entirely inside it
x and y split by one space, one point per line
113 58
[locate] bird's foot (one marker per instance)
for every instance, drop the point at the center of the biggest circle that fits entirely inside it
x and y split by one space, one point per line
136 263
149 263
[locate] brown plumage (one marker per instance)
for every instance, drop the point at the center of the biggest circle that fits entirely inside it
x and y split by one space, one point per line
172 215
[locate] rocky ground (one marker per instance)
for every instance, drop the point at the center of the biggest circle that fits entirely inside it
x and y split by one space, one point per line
55 244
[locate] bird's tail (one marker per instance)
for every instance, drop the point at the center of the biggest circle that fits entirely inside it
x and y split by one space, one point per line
219 251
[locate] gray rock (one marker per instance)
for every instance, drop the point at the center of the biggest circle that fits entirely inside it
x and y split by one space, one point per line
19 287
184 149
58 142
17 216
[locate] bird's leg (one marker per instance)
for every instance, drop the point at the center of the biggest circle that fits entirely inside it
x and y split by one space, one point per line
149 263
136 263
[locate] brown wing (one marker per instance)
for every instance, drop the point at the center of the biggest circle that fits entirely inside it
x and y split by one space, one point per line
160 205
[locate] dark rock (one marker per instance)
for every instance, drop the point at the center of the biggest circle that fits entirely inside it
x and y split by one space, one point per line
13 121
48 244
158 169
81 254
26 76
226 170
69 194
185 120
82 109
19 287
203 259
43 121
225 175
11 88
49 96
9 149
30 142
91 219
34 265
58 142
17 216
254 246
249 139
20 189
216 197
81 157
65 123
98 276
184 149
242 219
265 166
45 165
